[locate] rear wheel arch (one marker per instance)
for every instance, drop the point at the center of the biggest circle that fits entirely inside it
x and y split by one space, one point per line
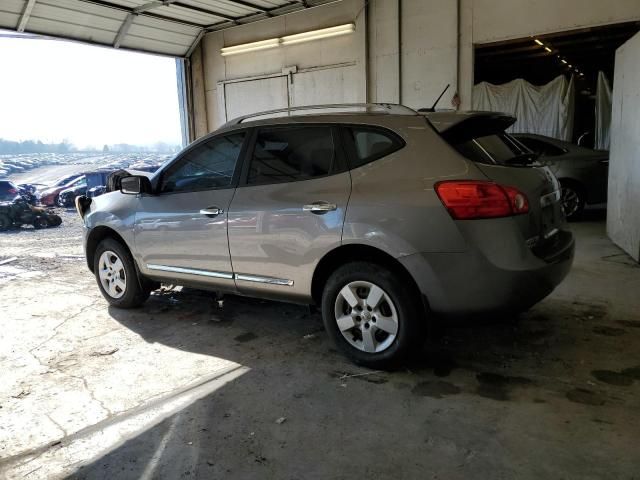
574 183
357 253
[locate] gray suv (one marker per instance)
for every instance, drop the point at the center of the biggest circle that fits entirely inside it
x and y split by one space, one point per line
383 217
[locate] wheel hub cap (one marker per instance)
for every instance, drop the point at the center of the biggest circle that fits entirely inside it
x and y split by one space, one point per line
366 316
112 276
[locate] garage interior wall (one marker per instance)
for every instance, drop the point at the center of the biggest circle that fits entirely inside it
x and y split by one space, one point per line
403 51
623 221
331 70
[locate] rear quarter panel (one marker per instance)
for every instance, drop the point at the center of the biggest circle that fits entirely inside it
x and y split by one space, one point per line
393 204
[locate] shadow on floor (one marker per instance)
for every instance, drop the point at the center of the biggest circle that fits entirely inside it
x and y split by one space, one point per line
303 411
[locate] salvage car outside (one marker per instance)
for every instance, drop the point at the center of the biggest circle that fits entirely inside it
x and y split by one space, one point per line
382 217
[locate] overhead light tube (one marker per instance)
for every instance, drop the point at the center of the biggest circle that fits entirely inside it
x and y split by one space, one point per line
250 47
318 34
548 49
564 61
539 42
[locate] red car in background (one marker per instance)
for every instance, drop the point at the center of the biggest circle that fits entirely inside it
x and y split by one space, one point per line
49 196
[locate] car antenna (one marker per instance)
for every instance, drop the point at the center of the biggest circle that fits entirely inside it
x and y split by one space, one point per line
433 107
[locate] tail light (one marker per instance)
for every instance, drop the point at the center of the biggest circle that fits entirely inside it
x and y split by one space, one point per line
13 191
471 199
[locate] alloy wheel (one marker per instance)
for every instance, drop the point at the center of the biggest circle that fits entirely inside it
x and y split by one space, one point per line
366 316
112 274
570 201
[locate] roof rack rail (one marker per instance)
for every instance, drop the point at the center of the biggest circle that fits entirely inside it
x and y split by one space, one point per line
384 108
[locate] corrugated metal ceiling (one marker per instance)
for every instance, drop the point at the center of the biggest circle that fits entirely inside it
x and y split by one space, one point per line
167 27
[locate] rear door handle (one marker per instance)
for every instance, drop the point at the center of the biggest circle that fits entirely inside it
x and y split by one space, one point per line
211 211
320 207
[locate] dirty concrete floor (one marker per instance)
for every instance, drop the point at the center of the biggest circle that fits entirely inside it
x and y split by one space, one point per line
184 388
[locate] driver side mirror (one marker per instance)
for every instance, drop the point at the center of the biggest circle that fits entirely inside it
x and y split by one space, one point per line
135 185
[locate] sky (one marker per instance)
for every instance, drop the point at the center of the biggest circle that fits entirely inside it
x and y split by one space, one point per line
52 90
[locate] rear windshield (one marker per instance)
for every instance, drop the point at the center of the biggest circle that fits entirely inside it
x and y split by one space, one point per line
499 148
483 139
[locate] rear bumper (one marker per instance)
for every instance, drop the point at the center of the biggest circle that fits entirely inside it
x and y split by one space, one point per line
472 282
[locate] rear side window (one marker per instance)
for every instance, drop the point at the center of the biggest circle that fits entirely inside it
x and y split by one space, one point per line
289 154
371 143
498 148
540 147
206 167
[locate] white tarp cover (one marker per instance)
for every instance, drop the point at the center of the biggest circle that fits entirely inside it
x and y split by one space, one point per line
545 110
603 113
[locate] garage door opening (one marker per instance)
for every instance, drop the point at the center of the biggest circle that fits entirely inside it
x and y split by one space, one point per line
559 86
74 113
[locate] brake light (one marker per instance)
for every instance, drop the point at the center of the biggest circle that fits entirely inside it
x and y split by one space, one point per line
472 199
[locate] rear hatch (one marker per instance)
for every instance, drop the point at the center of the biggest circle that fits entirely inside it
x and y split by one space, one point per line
481 138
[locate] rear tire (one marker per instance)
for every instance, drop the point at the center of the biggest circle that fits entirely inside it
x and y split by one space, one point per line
54 220
40 222
117 276
371 315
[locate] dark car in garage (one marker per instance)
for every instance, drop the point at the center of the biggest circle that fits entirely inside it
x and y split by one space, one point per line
583 173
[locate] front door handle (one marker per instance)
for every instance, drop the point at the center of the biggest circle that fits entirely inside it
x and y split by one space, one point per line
320 207
211 211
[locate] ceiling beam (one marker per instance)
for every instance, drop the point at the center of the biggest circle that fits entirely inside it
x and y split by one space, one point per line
148 14
253 6
124 29
26 13
206 11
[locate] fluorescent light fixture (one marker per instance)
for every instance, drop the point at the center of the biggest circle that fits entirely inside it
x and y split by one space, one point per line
289 39
564 61
548 49
570 66
318 34
250 47
539 42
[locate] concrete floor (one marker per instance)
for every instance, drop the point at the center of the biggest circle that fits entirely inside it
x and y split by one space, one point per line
184 388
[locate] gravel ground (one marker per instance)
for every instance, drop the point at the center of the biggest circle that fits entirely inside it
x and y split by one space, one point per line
188 388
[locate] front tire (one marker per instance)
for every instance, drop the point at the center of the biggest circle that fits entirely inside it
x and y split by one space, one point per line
116 275
371 315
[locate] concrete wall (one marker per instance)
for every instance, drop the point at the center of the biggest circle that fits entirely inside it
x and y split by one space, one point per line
495 20
623 220
428 35
436 46
216 68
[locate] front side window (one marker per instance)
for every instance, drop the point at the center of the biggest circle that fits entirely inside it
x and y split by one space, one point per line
289 154
208 166
371 144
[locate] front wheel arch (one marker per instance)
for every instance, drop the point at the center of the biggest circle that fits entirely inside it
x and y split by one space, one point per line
98 234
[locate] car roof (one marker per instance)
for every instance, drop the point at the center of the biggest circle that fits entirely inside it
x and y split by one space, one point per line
309 113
